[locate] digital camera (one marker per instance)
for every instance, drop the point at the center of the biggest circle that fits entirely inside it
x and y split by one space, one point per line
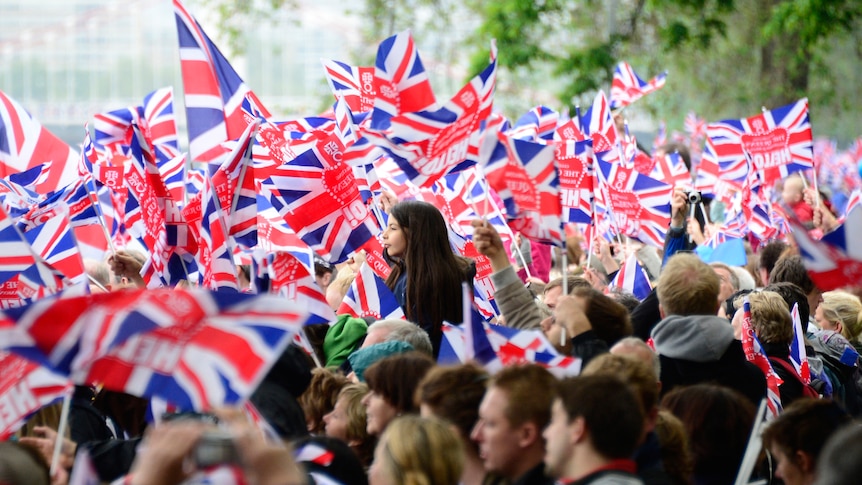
693 197
215 448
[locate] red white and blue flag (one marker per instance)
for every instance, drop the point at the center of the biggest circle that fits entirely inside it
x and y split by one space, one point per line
368 296
25 387
534 182
357 85
214 92
834 261
754 353
16 255
196 349
52 239
598 124
774 143
798 355
25 143
671 170
627 87
401 84
633 277
428 144
639 205
291 278
316 193
577 180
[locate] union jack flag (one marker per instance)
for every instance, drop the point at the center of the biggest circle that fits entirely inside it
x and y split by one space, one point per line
754 353
146 210
368 295
429 144
15 254
158 110
24 144
532 178
25 387
215 255
633 277
511 346
538 123
51 238
575 161
671 170
774 143
357 85
213 91
289 277
798 355
598 124
492 150
639 205
834 261
196 349
401 84
113 130
32 177
627 87
571 129
316 194
695 127
15 199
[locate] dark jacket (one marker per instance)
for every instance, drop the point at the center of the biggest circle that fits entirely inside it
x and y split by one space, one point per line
588 345
650 467
791 389
701 349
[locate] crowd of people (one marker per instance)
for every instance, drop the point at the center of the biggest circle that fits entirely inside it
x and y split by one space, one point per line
666 394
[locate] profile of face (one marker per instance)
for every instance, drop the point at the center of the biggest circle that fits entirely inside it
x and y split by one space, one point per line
726 286
791 193
824 323
497 438
394 239
791 471
379 413
558 443
736 323
337 421
551 295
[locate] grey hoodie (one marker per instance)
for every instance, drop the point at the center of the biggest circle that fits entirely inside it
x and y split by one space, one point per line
696 338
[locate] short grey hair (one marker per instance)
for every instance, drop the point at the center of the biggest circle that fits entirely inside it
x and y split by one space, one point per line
404 331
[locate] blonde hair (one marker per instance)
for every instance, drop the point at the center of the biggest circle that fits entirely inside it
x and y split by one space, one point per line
421 451
770 318
688 286
356 421
845 308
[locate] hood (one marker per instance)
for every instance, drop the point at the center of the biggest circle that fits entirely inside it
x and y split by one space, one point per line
698 338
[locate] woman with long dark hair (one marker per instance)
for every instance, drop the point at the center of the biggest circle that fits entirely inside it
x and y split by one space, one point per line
426 275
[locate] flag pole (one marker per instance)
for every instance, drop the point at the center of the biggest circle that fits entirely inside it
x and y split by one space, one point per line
97 207
61 430
511 234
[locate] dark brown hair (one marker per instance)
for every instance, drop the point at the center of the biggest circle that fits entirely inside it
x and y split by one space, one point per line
434 272
395 378
718 421
454 394
609 318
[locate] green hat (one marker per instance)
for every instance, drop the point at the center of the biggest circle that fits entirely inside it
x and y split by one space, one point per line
363 358
343 337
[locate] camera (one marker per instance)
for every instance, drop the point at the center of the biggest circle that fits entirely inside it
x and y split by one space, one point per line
693 197
215 448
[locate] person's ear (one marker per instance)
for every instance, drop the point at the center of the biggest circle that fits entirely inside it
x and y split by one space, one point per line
528 433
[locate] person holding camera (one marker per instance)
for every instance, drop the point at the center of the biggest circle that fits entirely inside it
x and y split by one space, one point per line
682 200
